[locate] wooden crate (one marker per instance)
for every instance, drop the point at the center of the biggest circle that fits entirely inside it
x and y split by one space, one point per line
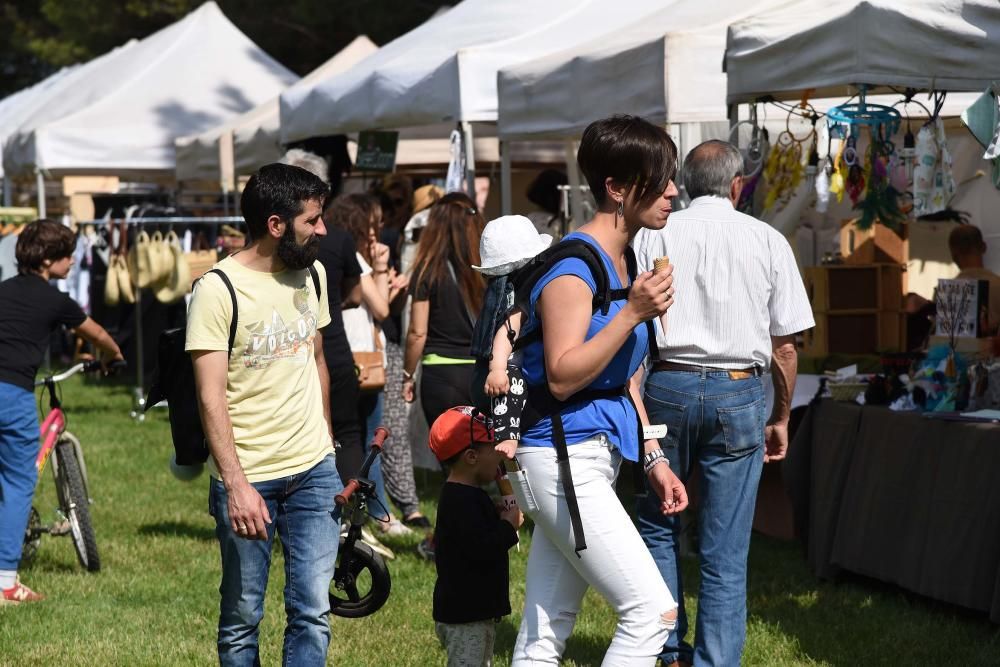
877 245
856 332
846 287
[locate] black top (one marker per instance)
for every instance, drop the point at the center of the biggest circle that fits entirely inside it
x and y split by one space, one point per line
338 257
449 329
30 309
470 552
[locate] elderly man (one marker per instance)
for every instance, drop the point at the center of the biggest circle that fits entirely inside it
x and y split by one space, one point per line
740 302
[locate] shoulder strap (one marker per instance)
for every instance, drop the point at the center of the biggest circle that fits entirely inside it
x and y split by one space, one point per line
232 294
315 277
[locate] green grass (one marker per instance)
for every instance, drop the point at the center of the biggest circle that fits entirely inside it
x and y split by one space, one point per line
155 601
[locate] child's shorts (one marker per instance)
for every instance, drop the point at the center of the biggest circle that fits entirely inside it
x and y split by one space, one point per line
468 644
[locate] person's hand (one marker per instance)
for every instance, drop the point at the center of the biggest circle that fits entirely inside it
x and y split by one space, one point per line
106 362
380 256
651 294
497 383
248 515
399 281
409 395
775 441
670 490
508 448
513 516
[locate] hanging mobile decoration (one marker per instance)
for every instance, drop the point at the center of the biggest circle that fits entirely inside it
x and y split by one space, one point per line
784 168
854 184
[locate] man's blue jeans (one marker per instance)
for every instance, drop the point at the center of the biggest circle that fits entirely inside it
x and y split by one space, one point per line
373 406
306 518
717 423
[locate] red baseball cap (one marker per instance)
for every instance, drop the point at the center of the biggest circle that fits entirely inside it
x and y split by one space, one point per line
456 429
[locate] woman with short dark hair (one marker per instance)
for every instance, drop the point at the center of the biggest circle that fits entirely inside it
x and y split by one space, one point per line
590 363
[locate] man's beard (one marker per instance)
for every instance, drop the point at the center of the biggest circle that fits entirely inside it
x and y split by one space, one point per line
294 256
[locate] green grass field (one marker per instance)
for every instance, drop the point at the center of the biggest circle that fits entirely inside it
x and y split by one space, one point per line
155 601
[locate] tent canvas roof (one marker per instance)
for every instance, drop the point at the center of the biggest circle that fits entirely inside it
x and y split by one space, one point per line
121 112
829 46
445 69
256 133
678 50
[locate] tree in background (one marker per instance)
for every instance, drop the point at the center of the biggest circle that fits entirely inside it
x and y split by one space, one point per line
40 36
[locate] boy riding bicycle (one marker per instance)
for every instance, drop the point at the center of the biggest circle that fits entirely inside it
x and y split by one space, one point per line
32 308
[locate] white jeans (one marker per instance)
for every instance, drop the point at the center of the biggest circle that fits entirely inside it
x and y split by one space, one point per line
616 562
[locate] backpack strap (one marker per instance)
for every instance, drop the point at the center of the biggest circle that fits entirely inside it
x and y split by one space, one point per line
315 277
236 310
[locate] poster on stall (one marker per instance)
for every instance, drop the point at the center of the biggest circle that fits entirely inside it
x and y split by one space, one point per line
377 151
962 308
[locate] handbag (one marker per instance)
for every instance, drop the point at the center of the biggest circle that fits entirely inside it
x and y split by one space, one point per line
370 366
201 258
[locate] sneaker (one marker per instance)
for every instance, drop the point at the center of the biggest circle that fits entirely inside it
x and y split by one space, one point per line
417 521
19 593
377 547
394 528
426 548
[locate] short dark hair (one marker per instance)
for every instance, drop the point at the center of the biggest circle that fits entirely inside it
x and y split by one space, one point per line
43 240
710 167
965 240
631 151
278 189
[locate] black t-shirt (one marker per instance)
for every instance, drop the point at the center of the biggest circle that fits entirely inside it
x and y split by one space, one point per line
449 329
30 309
470 553
338 257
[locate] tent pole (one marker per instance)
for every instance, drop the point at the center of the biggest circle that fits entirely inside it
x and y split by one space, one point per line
506 203
575 195
470 159
40 182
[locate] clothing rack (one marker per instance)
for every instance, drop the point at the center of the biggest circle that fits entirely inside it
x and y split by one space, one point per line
138 412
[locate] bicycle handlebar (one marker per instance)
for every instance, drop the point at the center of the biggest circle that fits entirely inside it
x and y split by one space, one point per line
82 367
377 444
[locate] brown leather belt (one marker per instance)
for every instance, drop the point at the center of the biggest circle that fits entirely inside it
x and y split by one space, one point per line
734 374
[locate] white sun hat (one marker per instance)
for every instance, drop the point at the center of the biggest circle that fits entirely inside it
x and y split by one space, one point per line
508 243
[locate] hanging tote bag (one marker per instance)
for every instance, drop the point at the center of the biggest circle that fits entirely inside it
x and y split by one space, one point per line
178 280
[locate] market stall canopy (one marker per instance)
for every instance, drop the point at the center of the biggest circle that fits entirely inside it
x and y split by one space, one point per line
678 51
446 69
828 47
16 108
121 112
256 135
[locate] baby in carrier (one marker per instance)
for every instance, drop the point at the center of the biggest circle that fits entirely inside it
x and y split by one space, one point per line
508 243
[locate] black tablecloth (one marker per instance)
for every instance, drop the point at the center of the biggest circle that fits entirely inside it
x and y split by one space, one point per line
900 498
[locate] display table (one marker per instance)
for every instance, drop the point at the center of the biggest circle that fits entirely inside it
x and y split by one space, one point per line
900 498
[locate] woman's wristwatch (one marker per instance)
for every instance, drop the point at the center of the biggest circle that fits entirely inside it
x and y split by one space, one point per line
653 459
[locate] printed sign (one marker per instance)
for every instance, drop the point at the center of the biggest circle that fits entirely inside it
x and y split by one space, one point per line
962 308
377 151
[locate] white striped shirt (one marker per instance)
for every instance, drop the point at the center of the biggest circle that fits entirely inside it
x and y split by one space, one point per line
736 284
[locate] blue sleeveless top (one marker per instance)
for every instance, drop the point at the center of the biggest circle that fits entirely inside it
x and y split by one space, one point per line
615 417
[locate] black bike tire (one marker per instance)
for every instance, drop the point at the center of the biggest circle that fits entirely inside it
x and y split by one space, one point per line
76 505
375 598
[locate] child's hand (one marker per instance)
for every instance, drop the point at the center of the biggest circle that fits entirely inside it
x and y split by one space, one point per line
497 383
508 448
513 516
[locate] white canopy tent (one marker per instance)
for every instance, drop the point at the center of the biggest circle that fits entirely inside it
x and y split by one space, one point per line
121 112
831 47
255 135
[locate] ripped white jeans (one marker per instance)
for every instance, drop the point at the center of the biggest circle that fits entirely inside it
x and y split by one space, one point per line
616 562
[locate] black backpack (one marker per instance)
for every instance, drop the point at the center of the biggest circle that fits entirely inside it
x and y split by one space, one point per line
173 380
504 294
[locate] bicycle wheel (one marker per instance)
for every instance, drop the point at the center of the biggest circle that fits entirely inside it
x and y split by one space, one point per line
362 586
32 537
75 504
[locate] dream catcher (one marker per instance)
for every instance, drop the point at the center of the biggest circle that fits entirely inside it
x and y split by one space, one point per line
784 168
753 142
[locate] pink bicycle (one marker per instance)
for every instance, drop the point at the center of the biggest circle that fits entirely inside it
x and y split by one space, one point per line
70 474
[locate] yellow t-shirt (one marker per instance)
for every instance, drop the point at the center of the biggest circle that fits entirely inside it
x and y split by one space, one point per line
275 400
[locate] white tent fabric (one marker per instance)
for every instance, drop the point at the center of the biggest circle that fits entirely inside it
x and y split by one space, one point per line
445 69
828 46
16 108
121 113
256 136
666 67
